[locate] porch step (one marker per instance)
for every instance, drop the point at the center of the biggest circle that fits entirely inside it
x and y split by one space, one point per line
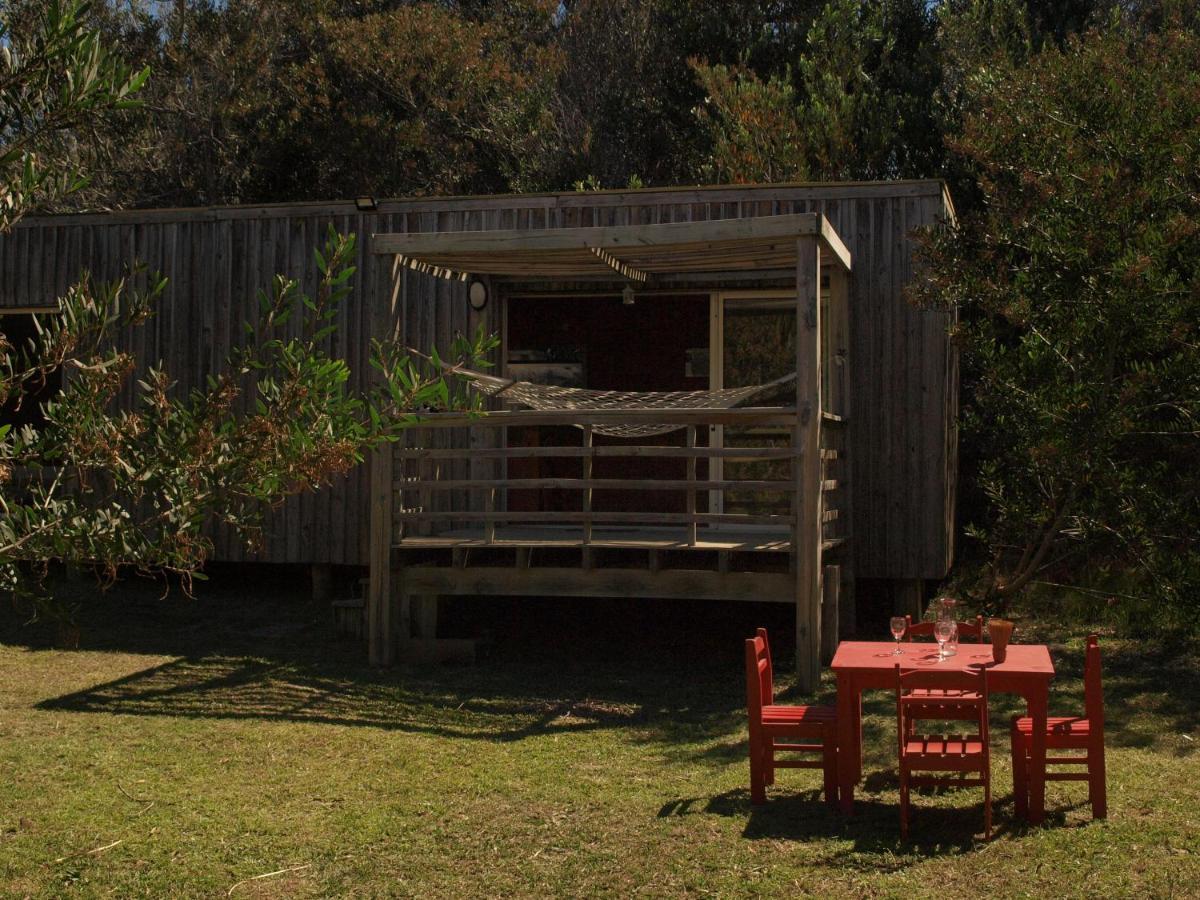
350 617
419 651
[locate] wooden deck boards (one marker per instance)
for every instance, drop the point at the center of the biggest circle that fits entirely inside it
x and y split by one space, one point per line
610 538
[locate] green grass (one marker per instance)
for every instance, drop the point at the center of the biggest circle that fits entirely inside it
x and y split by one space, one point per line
230 736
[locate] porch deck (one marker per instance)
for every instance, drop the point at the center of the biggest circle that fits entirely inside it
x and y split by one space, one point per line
628 538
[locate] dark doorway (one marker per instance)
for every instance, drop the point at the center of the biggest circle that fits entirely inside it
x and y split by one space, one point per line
657 343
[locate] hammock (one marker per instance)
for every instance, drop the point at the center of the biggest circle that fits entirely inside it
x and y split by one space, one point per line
552 399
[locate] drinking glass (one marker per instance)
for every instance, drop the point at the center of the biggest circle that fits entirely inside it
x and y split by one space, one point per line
898 625
942 631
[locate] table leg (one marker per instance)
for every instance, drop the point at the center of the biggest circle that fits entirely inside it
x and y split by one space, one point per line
848 734
858 741
1038 702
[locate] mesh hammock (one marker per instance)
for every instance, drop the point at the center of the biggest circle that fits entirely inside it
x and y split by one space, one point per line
550 398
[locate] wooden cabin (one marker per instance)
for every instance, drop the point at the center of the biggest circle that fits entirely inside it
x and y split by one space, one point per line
673 299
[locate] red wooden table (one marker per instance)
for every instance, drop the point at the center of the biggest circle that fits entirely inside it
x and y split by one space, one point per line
870 665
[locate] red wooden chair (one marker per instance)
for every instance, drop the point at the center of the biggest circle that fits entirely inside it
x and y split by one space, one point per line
935 709
776 728
1084 733
967 756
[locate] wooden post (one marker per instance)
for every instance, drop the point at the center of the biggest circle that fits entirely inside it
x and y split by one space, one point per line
381 645
691 492
587 491
424 615
489 506
830 613
908 598
847 604
381 633
807 551
321 575
839 289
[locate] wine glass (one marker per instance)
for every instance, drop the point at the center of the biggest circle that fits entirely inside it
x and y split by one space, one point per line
898 625
942 630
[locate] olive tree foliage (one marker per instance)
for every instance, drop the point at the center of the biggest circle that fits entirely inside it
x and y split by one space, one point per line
141 485
1078 284
55 82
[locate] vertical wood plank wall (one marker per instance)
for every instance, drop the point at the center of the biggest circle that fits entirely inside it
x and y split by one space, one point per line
903 373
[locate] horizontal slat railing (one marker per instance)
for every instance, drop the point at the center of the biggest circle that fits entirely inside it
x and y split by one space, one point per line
603 484
733 454
756 415
427 502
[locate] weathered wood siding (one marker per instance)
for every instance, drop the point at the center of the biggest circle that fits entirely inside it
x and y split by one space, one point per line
904 377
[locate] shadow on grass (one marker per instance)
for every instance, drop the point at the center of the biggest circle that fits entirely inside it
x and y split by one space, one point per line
252 688
260 650
868 840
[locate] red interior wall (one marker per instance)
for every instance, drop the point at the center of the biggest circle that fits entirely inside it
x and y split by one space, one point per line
635 348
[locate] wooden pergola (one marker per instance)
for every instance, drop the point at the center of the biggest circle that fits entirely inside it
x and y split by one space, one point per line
805 243
634 252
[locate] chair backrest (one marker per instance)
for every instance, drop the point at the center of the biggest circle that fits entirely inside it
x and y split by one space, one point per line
1093 691
759 689
950 680
970 628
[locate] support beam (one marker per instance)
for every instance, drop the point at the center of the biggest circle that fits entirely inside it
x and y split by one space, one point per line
380 627
807 550
847 605
381 592
908 597
683 584
424 616
830 612
321 576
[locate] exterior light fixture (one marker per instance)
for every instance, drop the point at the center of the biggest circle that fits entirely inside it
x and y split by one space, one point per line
627 295
477 294
365 203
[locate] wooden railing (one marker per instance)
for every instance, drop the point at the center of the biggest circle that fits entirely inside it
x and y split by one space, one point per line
469 481
835 482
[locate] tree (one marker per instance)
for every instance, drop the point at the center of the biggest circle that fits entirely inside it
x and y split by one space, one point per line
853 103
1077 283
138 487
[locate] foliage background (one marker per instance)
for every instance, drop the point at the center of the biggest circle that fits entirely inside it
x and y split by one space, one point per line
280 100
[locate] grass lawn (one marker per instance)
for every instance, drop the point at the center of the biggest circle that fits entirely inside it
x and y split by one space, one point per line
194 744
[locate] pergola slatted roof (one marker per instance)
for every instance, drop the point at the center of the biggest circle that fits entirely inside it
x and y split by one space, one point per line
635 252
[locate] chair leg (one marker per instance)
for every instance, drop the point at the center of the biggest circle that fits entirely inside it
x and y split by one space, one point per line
830 769
769 762
1097 784
1020 774
987 807
903 807
758 787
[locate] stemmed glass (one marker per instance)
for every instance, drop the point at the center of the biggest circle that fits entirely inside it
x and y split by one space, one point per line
898 624
942 630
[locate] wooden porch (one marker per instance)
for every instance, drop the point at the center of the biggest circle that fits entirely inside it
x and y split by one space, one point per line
470 505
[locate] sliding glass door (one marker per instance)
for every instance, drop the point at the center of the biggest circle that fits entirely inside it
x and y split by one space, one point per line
753 341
